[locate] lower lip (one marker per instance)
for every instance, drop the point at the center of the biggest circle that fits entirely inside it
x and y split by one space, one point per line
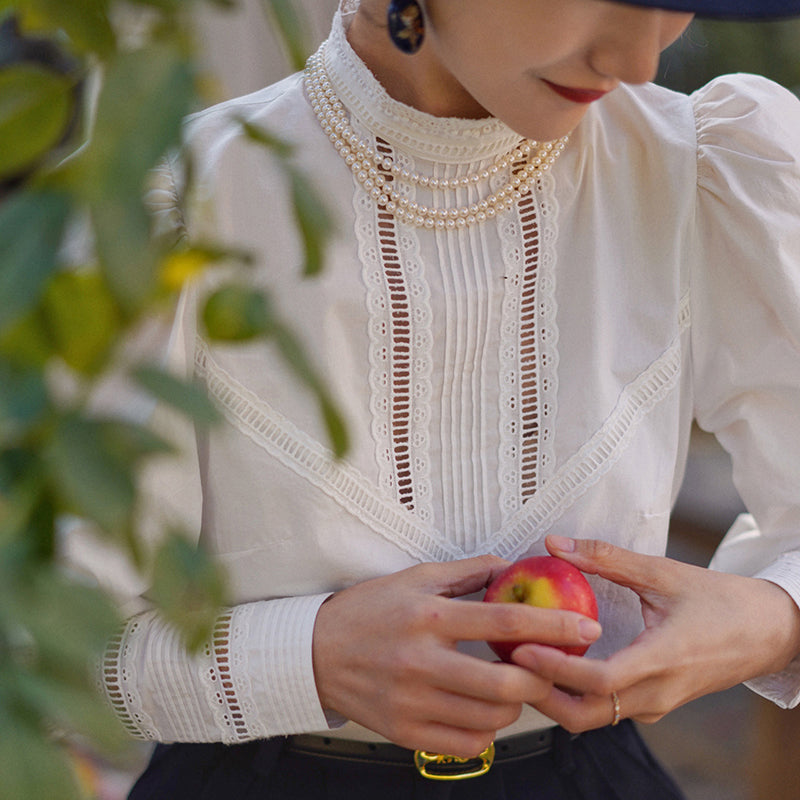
576 95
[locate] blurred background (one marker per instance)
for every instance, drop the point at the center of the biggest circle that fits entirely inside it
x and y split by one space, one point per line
729 746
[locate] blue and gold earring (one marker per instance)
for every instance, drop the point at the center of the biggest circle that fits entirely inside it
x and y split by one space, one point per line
406 25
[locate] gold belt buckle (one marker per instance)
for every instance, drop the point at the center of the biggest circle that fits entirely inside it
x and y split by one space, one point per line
440 767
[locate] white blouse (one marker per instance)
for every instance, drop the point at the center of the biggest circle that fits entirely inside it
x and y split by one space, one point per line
537 373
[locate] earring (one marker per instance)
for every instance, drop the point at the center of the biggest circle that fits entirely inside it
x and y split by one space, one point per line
406 25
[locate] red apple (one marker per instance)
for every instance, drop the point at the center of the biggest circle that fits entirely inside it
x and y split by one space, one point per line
546 582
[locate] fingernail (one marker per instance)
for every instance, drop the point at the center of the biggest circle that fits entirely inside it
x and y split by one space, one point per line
561 543
589 629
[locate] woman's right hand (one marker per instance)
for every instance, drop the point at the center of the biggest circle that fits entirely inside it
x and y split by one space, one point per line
385 656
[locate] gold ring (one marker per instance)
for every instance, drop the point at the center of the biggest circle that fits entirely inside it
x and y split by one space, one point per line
617 714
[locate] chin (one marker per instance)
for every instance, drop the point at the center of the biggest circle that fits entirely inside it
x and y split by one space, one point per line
547 129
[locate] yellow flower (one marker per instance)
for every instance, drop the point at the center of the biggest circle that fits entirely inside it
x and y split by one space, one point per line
182 266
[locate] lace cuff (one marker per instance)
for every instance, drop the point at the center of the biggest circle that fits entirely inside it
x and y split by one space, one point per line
254 679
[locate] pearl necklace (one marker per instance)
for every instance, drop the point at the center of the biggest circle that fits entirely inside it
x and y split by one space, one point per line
380 174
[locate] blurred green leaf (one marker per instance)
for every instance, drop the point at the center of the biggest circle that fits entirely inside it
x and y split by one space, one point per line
22 493
23 400
35 110
55 462
313 221
72 705
85 22
190 398
126 252
295 356
25 342
82 319
189 588
91 479
237 313
27 510
69 623
93 464
145 96
31 766
31 229
335 425
276 144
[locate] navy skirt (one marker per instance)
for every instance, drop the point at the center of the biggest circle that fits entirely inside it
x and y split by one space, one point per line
606 764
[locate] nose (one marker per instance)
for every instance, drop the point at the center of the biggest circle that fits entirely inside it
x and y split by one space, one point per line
630 46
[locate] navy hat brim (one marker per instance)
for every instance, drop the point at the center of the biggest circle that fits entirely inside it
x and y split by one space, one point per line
728 9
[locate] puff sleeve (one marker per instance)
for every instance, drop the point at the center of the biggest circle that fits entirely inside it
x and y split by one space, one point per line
746 325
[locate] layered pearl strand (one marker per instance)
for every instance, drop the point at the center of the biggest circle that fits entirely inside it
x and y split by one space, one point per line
380 175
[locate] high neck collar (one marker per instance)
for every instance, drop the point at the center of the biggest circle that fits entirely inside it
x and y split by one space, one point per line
443 139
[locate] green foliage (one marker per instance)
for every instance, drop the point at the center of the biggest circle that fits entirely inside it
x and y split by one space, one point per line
65 313
31 229
187 588
184 396
35 110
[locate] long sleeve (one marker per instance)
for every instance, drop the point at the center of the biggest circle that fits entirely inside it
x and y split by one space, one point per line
746 311
254 678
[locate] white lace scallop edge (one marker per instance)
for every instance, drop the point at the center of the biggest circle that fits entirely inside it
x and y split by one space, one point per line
117 683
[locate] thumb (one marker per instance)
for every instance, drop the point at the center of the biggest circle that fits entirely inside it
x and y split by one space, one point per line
637 571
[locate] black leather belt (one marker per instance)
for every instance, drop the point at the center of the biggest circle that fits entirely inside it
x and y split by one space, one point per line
430 765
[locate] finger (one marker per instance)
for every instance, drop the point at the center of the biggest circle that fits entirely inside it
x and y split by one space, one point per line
579 675
454 578
578 713
628 667
466 713
508 622
637 571
491 681
435 737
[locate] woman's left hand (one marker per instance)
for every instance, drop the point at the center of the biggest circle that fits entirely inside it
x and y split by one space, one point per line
704 631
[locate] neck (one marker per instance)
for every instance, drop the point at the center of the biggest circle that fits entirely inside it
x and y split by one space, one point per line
418 80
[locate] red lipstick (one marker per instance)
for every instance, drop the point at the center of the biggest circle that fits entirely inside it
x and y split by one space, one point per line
576 95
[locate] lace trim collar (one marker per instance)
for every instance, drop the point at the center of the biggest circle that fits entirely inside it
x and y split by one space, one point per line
446 140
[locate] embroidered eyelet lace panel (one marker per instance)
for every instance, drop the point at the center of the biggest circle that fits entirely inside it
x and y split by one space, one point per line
528 354
398 301
474 320
480 331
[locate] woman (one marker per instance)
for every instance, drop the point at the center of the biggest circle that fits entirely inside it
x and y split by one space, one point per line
520 335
